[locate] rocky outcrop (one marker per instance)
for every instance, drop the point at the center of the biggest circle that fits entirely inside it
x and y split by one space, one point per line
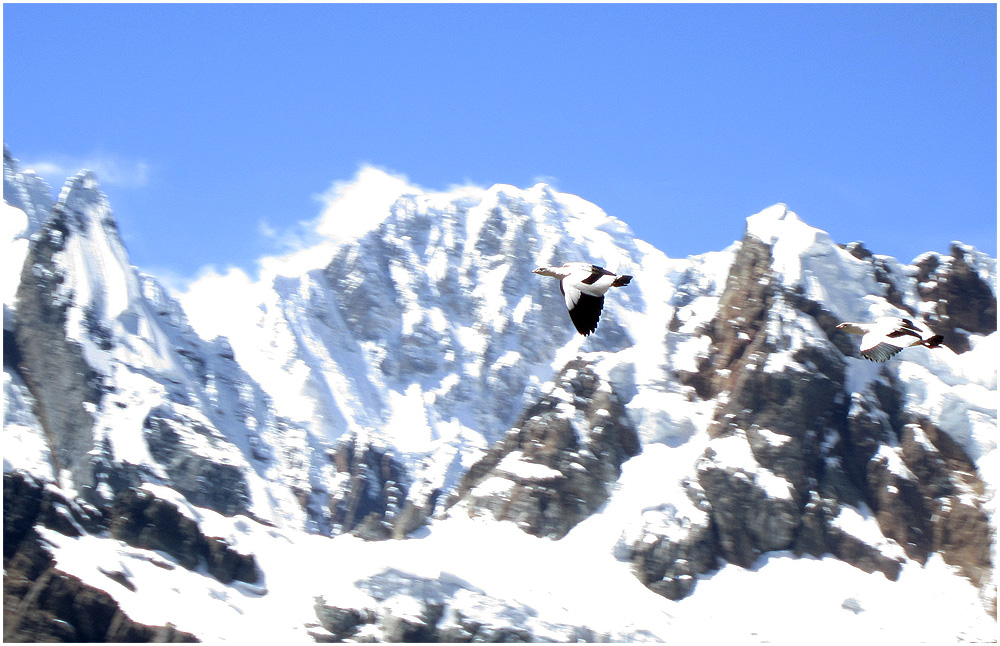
798 463
137 517
42 603
65 386
924 490
145 521
674 546
960 300
405 607
735 330
883 273
556 466
783 398
205 479
371 492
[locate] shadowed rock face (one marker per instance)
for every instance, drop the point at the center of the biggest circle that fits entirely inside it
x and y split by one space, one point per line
373 494
51 364
42 603
743 311
203 481
961 301
674 546
555 467
143 520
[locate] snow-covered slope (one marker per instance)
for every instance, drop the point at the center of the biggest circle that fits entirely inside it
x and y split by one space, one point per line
123 389
414 380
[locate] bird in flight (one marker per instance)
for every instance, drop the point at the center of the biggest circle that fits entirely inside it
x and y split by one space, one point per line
584 285
888 335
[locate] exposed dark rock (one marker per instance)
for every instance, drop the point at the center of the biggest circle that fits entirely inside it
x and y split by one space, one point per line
27 501
786 413
228 565
42 603
342 623
882 272
57 607
925 491
962 302
136 517
555 467
52 366
782 411
11 352
418 627
22 503
373 528
748 521
948 480
787 404
853 550
735 331
143 520
409 608
205 482
869 426
902 511
673 549
414 515
371 501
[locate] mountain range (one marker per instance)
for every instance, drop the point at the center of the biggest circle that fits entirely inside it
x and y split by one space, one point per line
401 437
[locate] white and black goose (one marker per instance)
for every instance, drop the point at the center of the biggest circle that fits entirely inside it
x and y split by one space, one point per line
584 285
888 335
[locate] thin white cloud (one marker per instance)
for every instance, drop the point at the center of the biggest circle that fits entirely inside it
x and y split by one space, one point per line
266 230
286 240
218 301
111 169
549 180
360 204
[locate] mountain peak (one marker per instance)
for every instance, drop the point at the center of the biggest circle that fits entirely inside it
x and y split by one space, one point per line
775 222
25 190
412 359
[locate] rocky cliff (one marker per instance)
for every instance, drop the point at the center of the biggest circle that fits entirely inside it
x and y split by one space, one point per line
417 387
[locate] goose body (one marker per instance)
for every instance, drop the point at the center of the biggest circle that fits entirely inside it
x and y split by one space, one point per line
584 285
889 335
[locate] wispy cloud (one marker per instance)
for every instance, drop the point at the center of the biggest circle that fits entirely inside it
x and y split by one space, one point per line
111 169
287 239
551 180
360 204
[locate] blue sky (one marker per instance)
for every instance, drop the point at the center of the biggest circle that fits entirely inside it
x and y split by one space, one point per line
215 127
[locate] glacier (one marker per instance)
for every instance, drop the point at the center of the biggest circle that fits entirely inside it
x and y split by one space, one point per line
400 433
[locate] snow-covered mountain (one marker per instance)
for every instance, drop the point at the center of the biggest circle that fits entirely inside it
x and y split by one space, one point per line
400 436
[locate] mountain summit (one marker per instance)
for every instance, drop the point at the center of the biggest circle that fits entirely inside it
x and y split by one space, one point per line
404 439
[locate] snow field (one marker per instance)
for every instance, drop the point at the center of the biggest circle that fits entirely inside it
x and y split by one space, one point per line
574 581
